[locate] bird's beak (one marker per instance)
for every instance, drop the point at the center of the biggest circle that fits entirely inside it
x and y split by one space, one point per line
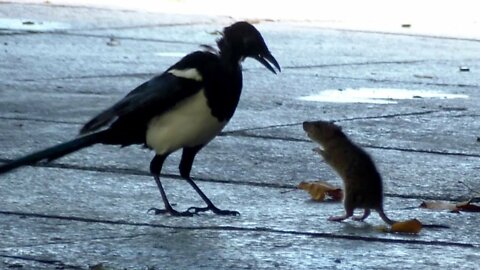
267 59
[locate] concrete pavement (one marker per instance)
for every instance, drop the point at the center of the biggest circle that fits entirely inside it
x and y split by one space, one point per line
60 65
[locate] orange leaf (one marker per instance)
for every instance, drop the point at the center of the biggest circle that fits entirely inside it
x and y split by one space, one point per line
319 190
408 226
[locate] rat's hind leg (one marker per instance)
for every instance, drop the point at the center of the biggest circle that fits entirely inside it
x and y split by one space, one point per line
348 213
366 213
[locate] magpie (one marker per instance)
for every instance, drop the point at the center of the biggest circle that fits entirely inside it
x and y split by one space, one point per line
185 107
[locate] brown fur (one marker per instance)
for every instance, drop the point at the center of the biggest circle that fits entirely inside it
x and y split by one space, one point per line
362 182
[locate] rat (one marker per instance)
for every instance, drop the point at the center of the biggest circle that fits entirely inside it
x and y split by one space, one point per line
363 186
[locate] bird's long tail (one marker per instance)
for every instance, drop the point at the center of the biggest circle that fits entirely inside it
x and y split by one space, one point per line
56 151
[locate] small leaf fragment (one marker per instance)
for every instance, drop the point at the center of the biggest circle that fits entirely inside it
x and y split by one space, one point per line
113 42
413 226
319 190
336 194
382 228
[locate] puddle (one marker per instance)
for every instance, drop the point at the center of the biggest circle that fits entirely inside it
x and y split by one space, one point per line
171 54
376 95
30 25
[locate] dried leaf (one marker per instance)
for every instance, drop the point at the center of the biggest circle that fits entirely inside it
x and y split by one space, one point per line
423 76
466 206
438 205
215 33
320 190
113 42
409 226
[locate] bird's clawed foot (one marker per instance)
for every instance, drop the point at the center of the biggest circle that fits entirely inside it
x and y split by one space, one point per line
214 209
171 212
192 211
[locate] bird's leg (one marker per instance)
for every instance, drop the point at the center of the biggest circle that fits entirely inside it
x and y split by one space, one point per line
210 205
185 167
155 168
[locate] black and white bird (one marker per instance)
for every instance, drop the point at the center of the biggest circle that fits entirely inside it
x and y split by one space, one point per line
183 108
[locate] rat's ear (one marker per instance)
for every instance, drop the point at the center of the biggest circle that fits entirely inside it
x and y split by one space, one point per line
332 122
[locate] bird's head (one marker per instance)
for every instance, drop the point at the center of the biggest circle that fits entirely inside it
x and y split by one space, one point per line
243 40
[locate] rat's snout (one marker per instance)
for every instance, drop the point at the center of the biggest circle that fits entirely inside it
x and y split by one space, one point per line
306 125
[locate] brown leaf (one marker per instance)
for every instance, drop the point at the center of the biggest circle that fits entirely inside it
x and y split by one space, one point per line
319 190
438 205
466 206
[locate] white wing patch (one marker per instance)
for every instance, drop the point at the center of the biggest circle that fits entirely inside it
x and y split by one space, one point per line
189 123
189 73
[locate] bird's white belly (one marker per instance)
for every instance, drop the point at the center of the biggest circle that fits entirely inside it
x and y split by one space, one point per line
189 123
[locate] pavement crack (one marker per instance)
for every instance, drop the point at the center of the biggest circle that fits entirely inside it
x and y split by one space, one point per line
95 76
246 132
41 120
65 33
367 63
385 116
424 151
375 80
150 74
415 35
14 32
244 229
240 132
58 264
136 172
76 241
411 150
156 25
103 36
55 5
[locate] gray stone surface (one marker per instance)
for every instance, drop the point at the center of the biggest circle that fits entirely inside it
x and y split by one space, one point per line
90 208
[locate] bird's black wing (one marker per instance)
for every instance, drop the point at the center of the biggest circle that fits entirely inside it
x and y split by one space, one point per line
152 97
